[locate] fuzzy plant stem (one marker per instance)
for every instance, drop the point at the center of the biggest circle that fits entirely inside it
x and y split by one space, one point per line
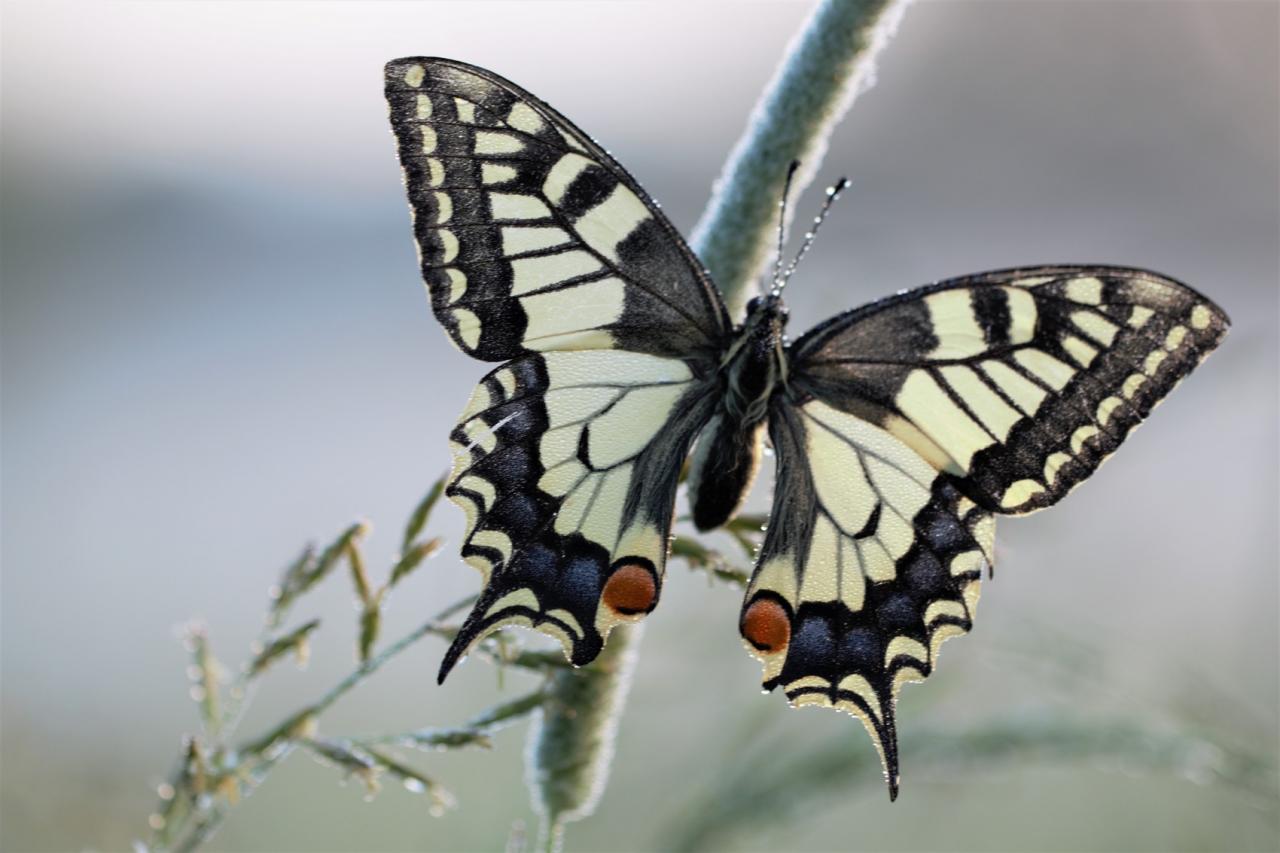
571 744
828 63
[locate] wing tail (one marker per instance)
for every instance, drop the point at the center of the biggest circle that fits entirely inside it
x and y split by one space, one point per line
494 611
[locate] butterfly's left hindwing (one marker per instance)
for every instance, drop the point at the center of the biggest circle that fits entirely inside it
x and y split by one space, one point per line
566 465
872 558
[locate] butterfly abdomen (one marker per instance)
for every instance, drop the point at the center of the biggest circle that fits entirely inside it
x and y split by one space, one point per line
727 458
723 469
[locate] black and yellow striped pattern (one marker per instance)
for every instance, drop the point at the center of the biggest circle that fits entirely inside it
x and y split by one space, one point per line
918 418
901 428
539 250
566 464
531 238
1020 382
879 562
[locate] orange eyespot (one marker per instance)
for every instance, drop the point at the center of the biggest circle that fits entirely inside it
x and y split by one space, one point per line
630 590
765 625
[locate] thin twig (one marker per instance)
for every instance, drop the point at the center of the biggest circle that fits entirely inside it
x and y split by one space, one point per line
355 677
211 776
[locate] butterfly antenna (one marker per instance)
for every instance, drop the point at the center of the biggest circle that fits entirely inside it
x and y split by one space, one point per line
782 226
833 193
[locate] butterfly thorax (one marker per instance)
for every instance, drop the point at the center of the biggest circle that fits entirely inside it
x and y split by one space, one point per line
725 463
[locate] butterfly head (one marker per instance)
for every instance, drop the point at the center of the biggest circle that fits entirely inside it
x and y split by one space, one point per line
764 328
768 308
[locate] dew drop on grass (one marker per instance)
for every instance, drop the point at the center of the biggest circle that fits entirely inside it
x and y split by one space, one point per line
415 786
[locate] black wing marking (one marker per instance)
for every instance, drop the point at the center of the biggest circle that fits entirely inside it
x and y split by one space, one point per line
566 464
1019 382
530 236
871 560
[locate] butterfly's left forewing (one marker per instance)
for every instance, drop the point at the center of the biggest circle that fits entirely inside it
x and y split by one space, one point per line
539 250
530 236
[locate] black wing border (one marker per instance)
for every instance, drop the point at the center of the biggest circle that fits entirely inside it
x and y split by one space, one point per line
824 331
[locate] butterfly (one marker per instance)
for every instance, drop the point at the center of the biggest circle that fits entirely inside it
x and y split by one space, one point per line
900 429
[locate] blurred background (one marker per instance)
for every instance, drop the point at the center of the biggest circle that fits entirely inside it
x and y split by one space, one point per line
216 348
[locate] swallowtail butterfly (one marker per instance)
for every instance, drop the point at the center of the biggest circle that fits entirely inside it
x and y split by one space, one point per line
901 428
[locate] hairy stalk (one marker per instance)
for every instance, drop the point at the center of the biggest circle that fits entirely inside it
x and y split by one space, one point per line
571 746
825 66
828 63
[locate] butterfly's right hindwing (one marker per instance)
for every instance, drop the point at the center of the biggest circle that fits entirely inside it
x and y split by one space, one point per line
531 238
566 465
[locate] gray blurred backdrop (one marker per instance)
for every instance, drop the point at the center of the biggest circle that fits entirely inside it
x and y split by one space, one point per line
216 347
